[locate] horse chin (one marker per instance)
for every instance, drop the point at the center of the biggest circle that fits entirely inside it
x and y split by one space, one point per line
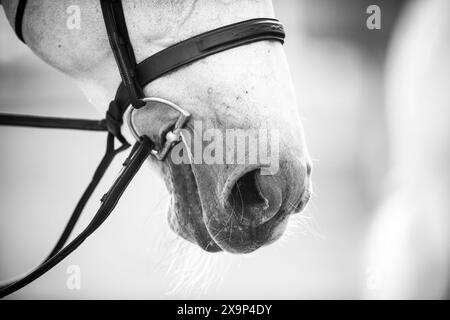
185 213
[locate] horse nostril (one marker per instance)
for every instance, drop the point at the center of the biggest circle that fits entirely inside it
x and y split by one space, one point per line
255 198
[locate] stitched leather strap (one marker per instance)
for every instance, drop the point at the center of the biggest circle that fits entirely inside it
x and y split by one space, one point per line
199 47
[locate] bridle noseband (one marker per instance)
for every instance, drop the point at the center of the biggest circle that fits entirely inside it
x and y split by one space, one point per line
129 97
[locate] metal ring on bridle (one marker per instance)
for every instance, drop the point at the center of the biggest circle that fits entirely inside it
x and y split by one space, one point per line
172 137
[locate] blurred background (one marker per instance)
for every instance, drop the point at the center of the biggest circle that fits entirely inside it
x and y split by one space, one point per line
339 73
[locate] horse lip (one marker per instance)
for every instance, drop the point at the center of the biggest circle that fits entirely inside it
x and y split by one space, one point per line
204 240
256 243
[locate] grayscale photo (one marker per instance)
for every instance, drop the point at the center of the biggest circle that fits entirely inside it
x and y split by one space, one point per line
224 155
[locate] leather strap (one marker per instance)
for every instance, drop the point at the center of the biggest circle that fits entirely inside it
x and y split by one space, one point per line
206 44
119 40
19 19
139 153
199 47
108 157
52 122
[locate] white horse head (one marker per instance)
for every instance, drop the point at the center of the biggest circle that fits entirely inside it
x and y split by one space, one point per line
227 205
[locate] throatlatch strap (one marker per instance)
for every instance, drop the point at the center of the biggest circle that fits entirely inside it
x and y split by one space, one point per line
140 152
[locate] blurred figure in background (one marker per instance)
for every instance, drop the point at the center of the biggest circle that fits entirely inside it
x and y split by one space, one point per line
409 244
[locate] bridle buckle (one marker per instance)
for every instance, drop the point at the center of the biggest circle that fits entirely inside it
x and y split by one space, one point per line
172 137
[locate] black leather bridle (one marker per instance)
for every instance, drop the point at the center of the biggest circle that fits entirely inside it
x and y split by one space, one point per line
130 96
